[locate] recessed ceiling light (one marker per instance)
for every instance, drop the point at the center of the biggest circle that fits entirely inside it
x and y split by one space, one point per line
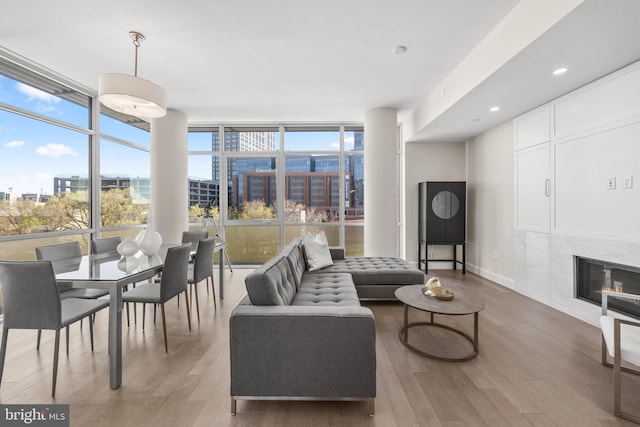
494 109
399 50
559 71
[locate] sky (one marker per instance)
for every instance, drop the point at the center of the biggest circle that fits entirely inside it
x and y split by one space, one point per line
33 152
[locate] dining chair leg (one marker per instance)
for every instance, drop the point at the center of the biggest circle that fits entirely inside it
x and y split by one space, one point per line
67 330
195 289
38 342
91 333
135 308
56 350
3 350
164 329
127 307
213 290
144 309
155 309
186 300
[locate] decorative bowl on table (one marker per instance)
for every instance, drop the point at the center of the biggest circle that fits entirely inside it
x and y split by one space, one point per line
439 293
443 294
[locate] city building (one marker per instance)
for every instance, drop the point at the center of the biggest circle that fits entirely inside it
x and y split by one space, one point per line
139 187
201 192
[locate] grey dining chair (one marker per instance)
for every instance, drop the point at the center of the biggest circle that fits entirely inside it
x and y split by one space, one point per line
65 251
173 282
194 237
32 301
109 244
201 269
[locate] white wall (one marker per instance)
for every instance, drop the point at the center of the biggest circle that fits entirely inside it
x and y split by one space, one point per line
490 187
428 161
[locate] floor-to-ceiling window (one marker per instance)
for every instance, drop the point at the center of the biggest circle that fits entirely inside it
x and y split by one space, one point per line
274 183
62 179
125 175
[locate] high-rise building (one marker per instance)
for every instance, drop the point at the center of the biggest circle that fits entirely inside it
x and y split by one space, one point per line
239 141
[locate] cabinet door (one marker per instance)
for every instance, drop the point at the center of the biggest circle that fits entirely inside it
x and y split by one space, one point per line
533 189
532 128
445 207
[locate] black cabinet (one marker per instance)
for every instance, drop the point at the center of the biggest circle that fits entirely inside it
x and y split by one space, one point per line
442 218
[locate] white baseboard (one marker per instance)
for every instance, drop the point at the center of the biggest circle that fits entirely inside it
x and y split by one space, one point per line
494 277
483 272
438 265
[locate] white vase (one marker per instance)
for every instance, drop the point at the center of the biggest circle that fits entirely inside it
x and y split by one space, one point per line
149 240
128 264
128 247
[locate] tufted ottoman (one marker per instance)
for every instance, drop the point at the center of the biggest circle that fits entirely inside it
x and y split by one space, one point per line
375 278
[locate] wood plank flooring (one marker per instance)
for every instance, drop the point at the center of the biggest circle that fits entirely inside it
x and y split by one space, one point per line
536 367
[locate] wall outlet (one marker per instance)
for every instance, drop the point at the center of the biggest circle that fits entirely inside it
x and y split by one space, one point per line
628 181
611 183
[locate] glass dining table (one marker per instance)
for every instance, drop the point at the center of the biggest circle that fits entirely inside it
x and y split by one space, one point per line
112 272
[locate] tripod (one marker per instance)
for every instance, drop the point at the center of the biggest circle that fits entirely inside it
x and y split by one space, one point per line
205 225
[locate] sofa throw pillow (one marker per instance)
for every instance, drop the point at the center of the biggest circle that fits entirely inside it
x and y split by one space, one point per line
316 250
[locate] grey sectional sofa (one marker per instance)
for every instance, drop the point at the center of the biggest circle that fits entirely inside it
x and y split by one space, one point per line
305 336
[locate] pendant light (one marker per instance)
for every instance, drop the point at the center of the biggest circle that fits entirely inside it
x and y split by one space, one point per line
132 95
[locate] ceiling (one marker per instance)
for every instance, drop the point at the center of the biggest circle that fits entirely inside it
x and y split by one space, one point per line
251 61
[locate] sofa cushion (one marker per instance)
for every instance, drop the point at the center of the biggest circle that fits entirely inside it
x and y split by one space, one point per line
331 289
376 270
272 283
316 251
293 253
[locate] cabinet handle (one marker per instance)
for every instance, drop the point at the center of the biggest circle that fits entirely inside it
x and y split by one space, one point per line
547 187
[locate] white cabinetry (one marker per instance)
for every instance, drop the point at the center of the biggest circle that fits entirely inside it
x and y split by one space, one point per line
609 100
532 179
532 128
533 207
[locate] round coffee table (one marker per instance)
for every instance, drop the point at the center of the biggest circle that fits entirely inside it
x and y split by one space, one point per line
412 296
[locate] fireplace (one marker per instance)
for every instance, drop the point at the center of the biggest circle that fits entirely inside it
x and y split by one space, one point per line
592 276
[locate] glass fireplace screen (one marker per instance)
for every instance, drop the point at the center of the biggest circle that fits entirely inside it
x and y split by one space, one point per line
592 276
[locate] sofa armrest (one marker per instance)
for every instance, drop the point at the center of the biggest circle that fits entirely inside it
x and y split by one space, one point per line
337 253
326 352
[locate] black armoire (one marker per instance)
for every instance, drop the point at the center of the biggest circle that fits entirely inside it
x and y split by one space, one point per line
442 218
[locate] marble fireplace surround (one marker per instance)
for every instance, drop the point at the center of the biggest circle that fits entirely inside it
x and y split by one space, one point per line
544 267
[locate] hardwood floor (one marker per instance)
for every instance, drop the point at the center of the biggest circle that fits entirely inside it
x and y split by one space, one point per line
536 367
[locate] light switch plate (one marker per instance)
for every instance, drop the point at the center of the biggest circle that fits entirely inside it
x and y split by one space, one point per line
611 183
628 181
